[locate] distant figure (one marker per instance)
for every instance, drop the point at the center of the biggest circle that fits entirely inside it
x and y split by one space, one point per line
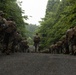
36 42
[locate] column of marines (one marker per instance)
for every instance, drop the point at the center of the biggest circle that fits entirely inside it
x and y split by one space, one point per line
10 37
67 44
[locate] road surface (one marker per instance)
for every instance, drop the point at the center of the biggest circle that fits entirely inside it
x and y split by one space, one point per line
37 64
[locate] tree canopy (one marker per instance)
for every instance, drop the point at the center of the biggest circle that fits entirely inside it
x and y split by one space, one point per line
60 15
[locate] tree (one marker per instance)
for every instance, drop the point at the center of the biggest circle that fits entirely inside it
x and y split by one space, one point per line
60 15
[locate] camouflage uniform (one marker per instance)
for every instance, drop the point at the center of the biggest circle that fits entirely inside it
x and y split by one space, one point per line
3 25
69 38
36 42
8 35
16 40
74 40
59 47
65 45
24 45
51 48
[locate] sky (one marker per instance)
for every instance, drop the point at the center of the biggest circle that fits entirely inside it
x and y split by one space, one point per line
35 9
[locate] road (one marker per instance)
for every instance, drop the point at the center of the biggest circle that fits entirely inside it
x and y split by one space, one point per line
37 64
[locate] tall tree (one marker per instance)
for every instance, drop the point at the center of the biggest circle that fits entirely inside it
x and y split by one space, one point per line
60 15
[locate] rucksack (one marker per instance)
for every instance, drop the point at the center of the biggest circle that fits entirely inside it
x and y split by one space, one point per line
36 39
11 27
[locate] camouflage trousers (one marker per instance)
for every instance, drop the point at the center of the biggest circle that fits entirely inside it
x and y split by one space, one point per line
36 45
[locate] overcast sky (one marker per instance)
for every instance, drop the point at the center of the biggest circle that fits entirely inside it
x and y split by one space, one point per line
34 8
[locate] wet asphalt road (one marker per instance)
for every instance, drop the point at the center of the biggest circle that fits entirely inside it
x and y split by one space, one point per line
37 64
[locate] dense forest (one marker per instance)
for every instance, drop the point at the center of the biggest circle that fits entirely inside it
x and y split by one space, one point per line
60 16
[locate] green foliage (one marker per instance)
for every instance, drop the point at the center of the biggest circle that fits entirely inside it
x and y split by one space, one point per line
13 10
60 15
